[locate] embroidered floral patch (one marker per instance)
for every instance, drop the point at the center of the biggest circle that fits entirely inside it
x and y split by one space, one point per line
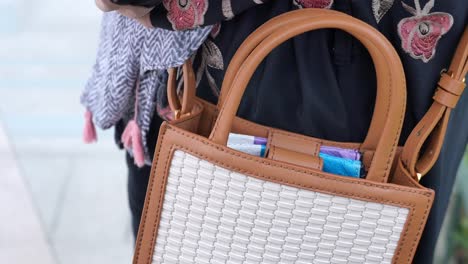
186 14
326 4
420 33
211 58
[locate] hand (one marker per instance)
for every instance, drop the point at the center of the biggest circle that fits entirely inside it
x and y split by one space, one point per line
131 11
145 21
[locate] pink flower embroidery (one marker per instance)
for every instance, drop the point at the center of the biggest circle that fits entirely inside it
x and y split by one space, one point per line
186 14
211 58
313 3
420 33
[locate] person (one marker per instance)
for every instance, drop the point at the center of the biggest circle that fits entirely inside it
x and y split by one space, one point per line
320 83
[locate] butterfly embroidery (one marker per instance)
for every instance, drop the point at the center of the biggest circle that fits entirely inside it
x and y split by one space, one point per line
420 33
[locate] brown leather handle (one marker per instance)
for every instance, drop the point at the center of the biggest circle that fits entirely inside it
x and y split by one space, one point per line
391 92
188 96
376 126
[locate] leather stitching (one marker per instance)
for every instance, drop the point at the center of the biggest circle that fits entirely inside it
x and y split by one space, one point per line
404 178
158 209
267 162
398 128
411 206
269 178
173 146
405 233
273 150
410 159
309 140
147 201
160 203
293 135
315 165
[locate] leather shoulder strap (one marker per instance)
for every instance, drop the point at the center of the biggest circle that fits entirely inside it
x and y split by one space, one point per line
430 131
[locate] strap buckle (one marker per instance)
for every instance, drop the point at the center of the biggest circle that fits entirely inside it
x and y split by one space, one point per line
450 73
419 176
449 89
178 114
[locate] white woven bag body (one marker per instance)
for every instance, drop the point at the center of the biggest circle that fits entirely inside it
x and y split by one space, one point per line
213 215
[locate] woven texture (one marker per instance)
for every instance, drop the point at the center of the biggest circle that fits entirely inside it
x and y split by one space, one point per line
213 215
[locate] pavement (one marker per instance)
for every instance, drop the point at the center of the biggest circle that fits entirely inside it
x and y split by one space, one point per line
60 201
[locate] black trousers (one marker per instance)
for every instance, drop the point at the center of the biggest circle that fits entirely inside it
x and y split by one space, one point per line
137 183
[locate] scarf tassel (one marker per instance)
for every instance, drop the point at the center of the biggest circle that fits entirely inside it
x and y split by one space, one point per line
131 138
89 131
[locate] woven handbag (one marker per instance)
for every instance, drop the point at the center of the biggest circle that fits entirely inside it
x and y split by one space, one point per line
207 203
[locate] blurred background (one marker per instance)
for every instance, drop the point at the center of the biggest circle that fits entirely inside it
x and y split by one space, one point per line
63 202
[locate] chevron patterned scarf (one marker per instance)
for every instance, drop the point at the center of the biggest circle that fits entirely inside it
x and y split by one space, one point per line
129 77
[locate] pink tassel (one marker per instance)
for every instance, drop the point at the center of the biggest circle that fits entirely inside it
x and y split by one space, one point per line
131 138
89 131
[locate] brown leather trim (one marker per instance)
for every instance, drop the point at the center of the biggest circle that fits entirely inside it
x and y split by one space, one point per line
190 121
282 137
147 233
295 149
243 126
448 99
402 176
433 146
295 158
451 85
419 135
209 114
294 142
417 200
